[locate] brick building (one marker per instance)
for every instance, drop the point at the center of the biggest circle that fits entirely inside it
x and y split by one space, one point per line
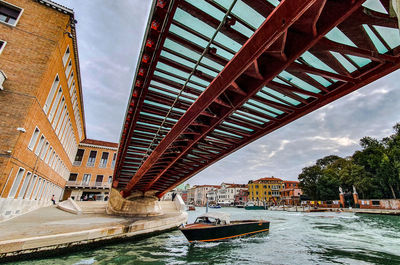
41 109
92 170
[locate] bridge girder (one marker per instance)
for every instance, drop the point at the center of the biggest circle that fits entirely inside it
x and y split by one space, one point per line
235 108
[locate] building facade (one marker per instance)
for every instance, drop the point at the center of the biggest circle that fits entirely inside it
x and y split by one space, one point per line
41 109
241 197
92 171
197 195
226 194
212 196
266 190
290 195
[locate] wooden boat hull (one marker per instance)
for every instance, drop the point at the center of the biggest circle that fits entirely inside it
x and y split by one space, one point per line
209 233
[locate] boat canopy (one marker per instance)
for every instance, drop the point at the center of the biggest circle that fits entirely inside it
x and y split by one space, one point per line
224 217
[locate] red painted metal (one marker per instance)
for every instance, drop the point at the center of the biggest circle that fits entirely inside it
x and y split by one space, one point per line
278 22
210 129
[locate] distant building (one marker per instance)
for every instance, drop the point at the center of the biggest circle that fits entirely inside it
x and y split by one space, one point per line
197 194
226 194
265 190
91 174
212 196
181 190
290 195
241 197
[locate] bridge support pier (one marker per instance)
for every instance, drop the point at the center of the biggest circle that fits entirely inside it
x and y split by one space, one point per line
137 204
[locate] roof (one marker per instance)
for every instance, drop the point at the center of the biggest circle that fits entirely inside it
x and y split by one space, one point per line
291 181
99 143
267 179
56 6
236 185
217 215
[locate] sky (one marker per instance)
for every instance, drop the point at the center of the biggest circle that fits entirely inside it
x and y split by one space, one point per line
110 36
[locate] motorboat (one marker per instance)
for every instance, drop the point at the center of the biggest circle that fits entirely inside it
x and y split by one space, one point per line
215 206
216 226
252 206
191 208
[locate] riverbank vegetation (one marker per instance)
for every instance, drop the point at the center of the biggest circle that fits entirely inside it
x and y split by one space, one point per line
374 171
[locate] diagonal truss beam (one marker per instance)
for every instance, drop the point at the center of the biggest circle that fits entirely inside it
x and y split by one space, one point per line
286 14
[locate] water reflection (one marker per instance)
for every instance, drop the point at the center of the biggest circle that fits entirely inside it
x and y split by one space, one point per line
294 238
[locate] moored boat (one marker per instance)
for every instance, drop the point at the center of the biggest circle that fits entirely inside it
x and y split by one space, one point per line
191 208
252 206
215 206
215 226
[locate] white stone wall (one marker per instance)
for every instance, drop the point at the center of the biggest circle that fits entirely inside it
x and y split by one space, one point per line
13 207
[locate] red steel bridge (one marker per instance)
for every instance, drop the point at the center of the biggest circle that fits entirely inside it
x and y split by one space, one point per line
215 75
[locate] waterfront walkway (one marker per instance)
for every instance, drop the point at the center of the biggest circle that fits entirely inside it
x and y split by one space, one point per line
50 228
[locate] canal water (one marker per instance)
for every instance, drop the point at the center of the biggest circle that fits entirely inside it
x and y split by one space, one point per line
294 238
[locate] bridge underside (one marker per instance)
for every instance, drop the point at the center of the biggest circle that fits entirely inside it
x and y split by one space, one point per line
216 75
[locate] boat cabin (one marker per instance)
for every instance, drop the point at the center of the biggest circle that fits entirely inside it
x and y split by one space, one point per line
213 218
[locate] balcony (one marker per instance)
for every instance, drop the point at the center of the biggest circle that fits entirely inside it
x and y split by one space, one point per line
77 163
92 184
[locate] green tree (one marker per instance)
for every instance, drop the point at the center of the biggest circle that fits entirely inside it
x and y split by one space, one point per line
308 179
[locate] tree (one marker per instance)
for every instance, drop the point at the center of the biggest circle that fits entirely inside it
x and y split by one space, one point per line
308 179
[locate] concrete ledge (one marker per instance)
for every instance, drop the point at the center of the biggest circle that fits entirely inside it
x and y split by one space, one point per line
25 246
69 206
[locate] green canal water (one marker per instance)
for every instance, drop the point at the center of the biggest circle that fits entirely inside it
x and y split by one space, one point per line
294 238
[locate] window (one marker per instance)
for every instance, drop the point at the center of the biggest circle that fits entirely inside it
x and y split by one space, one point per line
59 109
86 179
16 183
104 159
40 145
31 185
9 14
42 189
68 69
55 104
71 77
54 161
72 177
109 179
48 155
2 45
34 137
44 152
79 157
66 56
113 161
61 121
92 158
99 180
51 94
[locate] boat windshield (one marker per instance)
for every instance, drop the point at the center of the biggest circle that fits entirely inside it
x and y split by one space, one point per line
206 220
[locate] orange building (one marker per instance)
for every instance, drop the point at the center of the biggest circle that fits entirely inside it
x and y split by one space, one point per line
41 109
290 195
91 174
